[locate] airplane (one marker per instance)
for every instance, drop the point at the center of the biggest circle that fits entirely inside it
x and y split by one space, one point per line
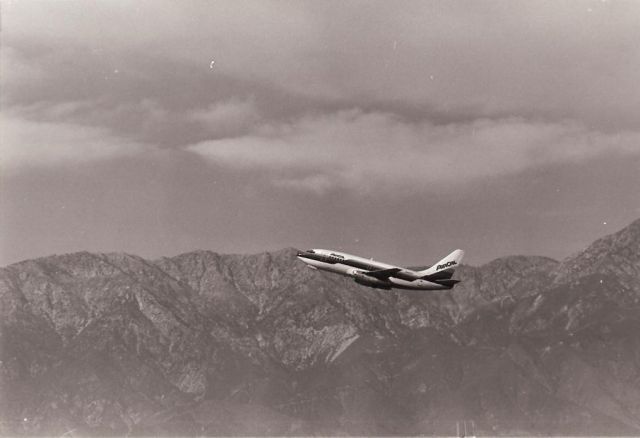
368 272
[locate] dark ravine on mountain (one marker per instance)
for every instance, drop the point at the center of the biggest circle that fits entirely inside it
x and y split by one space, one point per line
211 344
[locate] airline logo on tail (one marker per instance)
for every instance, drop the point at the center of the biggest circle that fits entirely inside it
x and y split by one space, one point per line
446 265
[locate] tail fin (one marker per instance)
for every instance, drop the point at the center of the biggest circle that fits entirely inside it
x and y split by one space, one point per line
443 270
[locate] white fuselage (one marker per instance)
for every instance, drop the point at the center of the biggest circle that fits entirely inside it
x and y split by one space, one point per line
360 268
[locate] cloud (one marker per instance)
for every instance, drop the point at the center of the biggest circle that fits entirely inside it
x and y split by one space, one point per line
25 143
553 60
16 71
537 85
222 117
148 120
373 152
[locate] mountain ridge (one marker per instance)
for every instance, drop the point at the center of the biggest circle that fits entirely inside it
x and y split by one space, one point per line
117 344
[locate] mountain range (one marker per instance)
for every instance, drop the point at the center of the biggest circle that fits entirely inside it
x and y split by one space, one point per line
211 344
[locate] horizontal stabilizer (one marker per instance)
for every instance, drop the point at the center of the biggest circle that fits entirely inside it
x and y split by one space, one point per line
441 275
447 283
383 273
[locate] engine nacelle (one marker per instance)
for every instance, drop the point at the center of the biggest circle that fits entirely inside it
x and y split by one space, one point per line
367 280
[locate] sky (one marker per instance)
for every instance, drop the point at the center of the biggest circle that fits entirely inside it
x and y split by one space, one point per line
394 130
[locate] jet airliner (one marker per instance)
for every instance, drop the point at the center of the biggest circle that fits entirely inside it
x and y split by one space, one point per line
381 275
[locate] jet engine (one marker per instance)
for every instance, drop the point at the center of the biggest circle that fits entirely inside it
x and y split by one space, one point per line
367 280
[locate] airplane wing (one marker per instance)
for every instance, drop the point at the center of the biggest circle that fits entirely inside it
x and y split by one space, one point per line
383 273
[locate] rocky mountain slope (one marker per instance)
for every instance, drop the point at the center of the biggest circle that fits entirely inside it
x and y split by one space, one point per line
211 344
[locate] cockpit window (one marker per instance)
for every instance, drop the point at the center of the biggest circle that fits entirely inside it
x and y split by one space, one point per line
311 251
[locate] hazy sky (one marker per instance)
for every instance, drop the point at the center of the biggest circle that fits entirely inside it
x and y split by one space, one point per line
394 130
